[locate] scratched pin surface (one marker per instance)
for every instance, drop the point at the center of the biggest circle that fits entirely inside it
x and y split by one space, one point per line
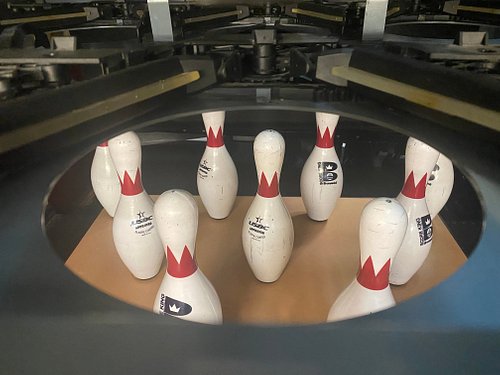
217 177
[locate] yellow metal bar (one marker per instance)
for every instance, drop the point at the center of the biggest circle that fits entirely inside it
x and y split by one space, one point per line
478 9
25 135
53 17
310 13
213 16
392 11
454 107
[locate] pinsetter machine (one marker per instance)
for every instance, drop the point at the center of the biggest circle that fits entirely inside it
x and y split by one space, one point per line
74 73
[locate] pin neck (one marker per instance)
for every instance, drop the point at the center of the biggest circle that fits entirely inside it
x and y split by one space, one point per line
324 140
412 190
367 277
215 140
129 187
266 189
104 144
183 268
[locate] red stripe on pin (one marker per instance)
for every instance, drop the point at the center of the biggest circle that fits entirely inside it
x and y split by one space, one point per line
410 190
130 187
368 279
267 190
183 268
325 140
215 141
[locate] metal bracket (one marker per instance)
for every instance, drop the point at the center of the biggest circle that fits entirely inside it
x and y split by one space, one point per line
63 43
263 95
161 20
472 38
326 63
374 22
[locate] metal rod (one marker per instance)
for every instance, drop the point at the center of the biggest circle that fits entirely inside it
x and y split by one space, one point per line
213 16
438 102
53 17
25 135
478 9
323 16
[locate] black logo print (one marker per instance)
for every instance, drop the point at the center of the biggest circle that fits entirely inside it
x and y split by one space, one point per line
170 306
326 172
143 224
203 169
257 226
424 226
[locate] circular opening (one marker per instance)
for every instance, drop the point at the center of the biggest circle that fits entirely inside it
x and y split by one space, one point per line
326 255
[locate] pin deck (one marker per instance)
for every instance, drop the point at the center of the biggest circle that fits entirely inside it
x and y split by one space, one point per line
324 261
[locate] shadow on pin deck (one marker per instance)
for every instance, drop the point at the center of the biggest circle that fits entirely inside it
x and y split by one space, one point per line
325 257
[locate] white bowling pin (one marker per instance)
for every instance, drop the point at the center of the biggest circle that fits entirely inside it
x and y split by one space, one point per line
104 179
440 185
217 178
185 292
134 233
322 179
419 162
381 230
267 232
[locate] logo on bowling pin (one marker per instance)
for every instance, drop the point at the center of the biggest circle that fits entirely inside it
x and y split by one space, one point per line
134 233
322 179
217 178
267 232
327 174
104 179
184 292
143 224
420 159
381 231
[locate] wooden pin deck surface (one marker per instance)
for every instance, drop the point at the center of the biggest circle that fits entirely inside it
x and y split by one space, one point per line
324 261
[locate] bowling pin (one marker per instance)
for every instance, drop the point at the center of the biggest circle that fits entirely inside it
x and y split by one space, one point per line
420 159
104 179
217 178
381 230
440 185
184 292
322 179
267 232
134 233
